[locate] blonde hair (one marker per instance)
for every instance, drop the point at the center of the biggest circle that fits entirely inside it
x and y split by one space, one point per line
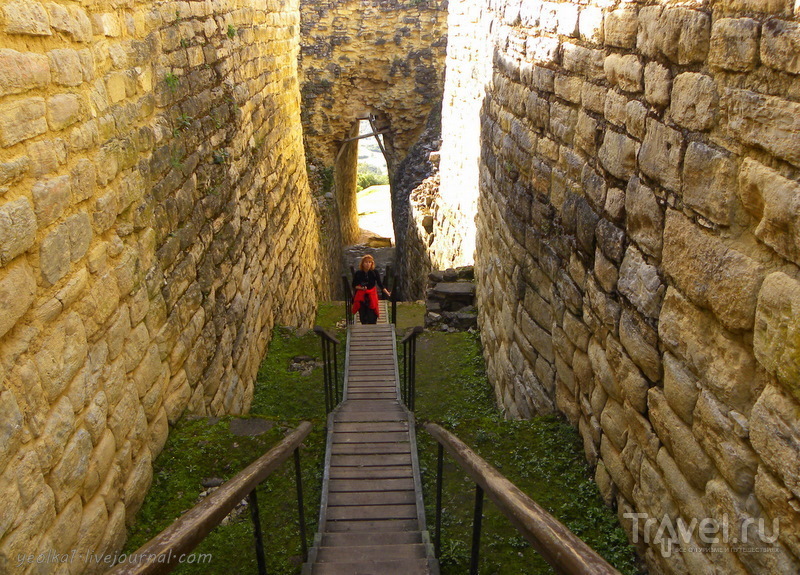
364 260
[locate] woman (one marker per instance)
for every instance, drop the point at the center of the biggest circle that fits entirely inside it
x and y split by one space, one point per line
366 281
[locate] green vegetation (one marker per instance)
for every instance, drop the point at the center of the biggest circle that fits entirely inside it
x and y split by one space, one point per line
231 31
543 457
200 448
172 81
367 179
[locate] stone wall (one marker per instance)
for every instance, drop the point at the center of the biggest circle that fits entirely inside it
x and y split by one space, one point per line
638 249
155 223
379 57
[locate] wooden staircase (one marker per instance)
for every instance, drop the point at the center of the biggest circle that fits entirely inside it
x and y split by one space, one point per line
372 519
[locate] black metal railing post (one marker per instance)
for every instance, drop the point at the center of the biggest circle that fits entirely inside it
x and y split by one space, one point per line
298 478
259 537
437 539
476 531
348 300
330 368
408 389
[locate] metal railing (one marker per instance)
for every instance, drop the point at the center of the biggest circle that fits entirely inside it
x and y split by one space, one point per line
348 300
561 548
408 387
162 553
330 368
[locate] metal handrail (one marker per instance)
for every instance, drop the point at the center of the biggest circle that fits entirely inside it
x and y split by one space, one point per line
408 389
330 367
162 553
559 546
348 299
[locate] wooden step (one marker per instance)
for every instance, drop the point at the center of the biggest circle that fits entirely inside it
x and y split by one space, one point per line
370 448
370 553
366 538
407 497
390 567
381 525
366 484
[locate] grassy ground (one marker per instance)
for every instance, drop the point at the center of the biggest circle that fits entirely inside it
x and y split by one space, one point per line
543 456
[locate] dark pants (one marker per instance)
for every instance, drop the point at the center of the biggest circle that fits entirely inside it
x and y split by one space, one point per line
367 315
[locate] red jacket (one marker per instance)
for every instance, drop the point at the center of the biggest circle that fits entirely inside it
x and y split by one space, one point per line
371 297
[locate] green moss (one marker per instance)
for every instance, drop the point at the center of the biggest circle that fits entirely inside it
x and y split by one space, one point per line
542 456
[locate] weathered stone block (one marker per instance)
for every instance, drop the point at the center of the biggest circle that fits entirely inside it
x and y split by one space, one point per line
620 28
614 110
710 273
605 272
69 473
780 45
765 121
734 44
686 36
696 466
46 156
776 338
680 387
21 71
724 364
657 84
50 198
661 154
778 502
774 435
65 67
611 240
630 381
733 457
22 120
618 154
625 72
644 218
586 132
694 101
17 229
590 23
641 342
774 201
24 17
17 292
709 181
635 121
80 235
63 110
640 283
54 256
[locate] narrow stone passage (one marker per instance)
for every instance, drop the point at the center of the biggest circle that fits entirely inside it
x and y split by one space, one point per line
372 518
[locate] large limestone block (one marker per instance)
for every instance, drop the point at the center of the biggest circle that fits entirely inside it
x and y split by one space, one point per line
711 274
632 384
680 34
17 293
695 101
626 72
17 229
620 28
780 504
680 387
687 497
769 122
61 357
690 457
776 338
657 84
643 217
733 456
640 283
25 17
641 342
709 182
661 154
68 475
723 363
22 71
618 154
21 120
774 202
734 44
780 45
